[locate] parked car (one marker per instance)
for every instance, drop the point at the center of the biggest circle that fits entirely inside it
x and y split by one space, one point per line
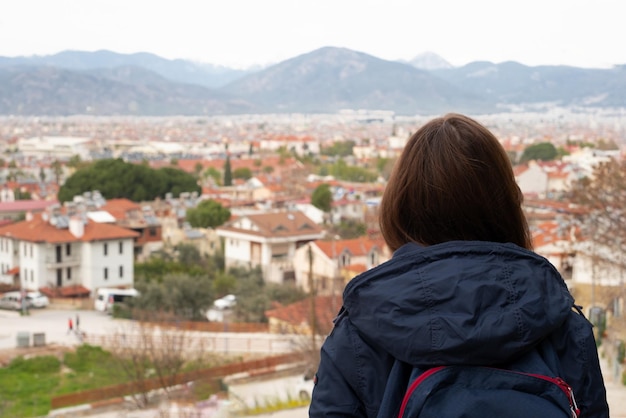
37 300
221 308
304 389
226 302
11 300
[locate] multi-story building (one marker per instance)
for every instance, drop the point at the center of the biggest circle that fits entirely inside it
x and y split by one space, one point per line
322 263
143 220
56 251
56 147
269 241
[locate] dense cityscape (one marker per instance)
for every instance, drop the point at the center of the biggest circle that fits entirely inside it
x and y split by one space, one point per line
290 198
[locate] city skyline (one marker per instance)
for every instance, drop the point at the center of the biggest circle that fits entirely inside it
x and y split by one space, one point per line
245 33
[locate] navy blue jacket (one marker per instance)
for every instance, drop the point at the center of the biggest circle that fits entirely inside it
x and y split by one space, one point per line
461 302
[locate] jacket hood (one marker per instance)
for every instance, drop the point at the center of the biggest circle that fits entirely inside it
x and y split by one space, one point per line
458 302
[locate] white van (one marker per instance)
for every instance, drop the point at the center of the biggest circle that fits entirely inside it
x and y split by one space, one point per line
107 297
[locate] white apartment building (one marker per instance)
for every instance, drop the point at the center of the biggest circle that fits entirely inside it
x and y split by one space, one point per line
55 251
269 241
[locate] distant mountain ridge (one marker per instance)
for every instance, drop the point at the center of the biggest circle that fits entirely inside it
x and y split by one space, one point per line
183 71
430 61
322 81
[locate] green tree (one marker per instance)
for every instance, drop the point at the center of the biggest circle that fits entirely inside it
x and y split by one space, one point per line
180 294
544 151
175 181
254 296
115 178
322 197
242 173
339 148
189 254
21 195
208 214
75 162
601 217
213 173
228 175
350 229
197 169
57 169
384 166
341 170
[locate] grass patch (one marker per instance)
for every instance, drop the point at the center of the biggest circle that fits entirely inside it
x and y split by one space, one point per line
28 385
274 405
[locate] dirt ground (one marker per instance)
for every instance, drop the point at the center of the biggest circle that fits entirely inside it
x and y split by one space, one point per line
8 354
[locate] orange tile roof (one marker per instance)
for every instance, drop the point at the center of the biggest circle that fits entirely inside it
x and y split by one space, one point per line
357 246
38 230
326 308
519 169
66 291
118 208
278 224
356 268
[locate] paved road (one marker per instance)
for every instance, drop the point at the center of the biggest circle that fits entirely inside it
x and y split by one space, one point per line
53 323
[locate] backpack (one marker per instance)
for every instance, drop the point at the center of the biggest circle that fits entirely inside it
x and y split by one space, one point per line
476 391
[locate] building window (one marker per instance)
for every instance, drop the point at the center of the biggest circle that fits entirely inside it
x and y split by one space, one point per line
121 247
152 232
106 248
121 271
31 250
69 273
32 276
68 249
106 273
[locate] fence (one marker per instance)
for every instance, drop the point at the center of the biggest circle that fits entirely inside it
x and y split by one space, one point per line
212 374
239 327
198 341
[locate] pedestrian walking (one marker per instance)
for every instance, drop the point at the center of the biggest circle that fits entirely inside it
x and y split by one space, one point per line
70 326
77 322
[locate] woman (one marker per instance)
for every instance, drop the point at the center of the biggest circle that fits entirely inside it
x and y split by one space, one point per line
463 285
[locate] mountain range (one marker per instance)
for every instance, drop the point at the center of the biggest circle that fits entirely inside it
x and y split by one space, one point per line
325 80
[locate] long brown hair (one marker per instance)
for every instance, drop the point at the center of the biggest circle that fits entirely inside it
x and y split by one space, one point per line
453 181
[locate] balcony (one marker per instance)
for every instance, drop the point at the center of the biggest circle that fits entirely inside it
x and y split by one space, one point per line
65 261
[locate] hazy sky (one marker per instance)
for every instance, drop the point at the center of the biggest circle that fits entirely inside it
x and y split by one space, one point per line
240 33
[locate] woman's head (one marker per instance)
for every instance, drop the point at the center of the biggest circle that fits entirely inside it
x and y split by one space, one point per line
453 181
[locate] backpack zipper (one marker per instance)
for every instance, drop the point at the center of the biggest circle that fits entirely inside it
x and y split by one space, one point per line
415 384
562 384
